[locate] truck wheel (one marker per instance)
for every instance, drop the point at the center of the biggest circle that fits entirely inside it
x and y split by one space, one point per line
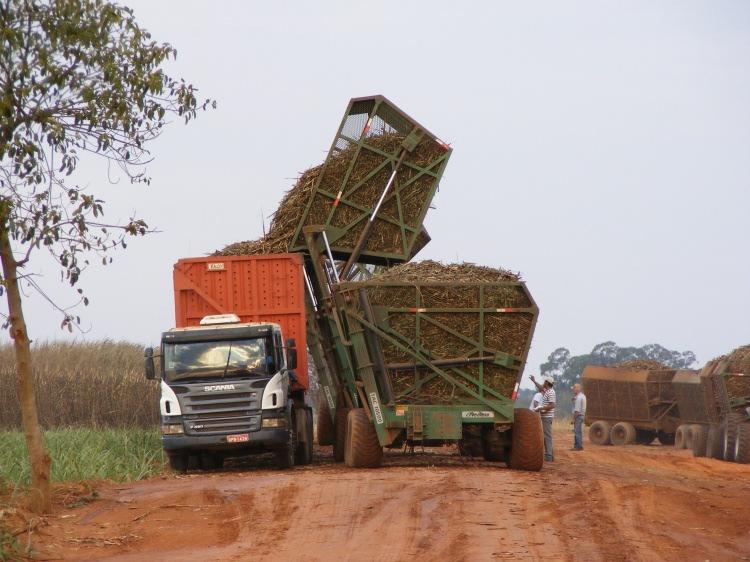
339 444
326 433
211 461
644 436
622 433
715 442
690 434
680 437
731 425
599 433
700 440
742 444
304 451
178 462
527 441
286 453
363 449
493 446
665 438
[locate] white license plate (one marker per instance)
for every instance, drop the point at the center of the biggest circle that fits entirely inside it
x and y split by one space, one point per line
241 438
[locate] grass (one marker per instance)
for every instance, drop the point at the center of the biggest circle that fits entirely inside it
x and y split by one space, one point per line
82 384
86 454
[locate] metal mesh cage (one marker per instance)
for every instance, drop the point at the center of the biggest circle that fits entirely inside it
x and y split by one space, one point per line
377 145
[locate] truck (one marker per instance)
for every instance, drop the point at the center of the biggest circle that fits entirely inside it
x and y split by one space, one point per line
400 364
628 405
232 382
728 400
695 404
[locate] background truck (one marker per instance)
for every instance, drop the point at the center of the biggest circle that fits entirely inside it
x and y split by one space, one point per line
231 380
695 403
728 402
630 405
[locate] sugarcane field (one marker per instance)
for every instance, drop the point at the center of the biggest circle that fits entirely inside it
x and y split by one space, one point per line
414 281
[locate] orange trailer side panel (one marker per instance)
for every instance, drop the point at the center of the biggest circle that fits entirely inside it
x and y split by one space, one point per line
265 288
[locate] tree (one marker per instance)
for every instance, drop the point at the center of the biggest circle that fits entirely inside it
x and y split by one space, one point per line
567 369
77 78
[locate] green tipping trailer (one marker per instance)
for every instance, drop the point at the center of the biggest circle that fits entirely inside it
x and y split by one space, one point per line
384 380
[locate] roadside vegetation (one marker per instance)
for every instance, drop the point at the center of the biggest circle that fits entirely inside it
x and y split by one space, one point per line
90 384
98 413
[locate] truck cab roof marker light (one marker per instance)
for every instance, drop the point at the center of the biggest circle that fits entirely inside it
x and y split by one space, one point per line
219 319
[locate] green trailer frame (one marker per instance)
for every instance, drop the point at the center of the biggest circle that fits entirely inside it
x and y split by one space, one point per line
358 374
350 185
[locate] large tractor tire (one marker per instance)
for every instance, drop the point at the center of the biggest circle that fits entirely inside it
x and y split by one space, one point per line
731 425
700 440
622 433
304 452
363 450
665 438
680 437
715 442
742 444
644 436
599 433
527 441
339 427
326 432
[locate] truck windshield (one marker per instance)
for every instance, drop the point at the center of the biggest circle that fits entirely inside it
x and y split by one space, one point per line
217 359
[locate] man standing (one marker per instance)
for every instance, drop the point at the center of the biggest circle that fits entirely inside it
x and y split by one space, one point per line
536 401
579 414
547 411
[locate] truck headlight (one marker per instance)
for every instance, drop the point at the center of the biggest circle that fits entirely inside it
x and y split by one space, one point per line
172 429
274 422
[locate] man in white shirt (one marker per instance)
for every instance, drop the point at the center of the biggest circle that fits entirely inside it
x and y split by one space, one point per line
536 401
547 411
579 414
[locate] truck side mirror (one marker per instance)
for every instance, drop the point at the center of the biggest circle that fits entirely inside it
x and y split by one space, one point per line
148 363
291 354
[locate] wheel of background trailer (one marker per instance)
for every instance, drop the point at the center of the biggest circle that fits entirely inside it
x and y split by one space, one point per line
731 424
493 446
644 436
527 441
363 449
692 432
178 462
303 453
285 454
622 433
715 442
211 461
680 437
339 427
665 438
742 444
326 433
599 433
700 440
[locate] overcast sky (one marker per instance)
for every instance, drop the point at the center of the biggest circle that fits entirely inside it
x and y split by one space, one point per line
602 149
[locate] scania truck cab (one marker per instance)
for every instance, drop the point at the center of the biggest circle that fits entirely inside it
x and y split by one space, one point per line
228 390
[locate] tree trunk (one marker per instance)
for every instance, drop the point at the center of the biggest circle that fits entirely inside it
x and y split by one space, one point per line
40 493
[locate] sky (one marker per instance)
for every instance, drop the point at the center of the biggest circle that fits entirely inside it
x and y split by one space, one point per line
600 148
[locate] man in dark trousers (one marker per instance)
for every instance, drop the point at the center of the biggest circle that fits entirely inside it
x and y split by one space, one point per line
547 412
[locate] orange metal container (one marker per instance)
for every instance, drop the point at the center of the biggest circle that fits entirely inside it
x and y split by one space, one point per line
263 288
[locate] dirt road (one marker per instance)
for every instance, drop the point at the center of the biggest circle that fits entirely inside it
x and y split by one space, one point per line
606 503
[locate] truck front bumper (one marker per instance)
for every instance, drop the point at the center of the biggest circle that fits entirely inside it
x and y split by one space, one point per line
263 438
